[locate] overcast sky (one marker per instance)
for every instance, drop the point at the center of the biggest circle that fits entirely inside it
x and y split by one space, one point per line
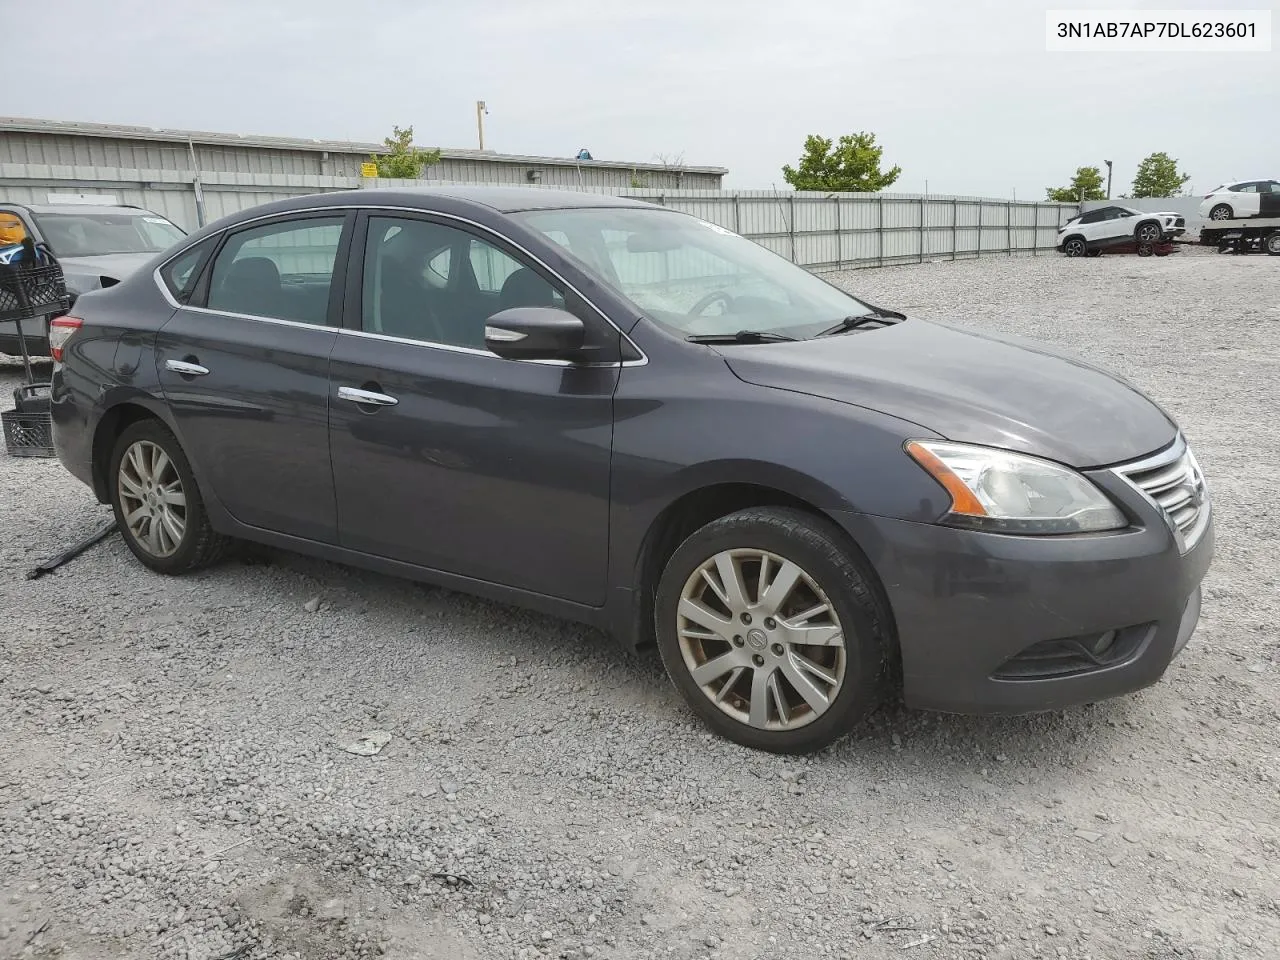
960 93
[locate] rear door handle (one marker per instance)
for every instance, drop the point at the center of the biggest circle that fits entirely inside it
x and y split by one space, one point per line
367 396
185 368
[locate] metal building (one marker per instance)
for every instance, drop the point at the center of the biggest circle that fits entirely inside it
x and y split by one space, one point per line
67 144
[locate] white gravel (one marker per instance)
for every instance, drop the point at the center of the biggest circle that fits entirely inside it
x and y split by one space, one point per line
174 780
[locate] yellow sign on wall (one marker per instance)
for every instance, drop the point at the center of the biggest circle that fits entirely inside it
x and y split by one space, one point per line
368 169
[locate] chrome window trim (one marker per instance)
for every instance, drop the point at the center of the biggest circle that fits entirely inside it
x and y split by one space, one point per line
1170 455
164 288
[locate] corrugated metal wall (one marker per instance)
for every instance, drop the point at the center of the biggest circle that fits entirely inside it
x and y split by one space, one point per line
816 231
68 150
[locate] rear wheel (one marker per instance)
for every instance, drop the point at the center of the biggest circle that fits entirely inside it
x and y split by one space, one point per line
1272 244
157 503
1221 211
1074 247
770 627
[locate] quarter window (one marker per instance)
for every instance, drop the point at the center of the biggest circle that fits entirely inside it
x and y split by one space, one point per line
435 283
182 273
283 270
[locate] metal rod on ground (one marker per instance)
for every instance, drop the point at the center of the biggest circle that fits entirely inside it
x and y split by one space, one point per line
72 552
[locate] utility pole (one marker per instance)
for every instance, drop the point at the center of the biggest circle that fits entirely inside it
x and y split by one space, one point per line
1108 163
481 110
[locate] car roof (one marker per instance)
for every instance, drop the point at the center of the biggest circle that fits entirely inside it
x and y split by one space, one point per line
39 208
427 198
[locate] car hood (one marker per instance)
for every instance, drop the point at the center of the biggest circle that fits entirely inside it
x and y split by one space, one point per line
970 387
86 273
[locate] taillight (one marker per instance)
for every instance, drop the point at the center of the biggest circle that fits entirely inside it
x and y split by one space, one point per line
60 331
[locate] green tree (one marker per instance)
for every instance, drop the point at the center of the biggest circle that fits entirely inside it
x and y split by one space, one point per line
852 165
403 161
1158 176
1087 184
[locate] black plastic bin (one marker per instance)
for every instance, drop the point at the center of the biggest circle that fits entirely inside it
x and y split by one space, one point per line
30 289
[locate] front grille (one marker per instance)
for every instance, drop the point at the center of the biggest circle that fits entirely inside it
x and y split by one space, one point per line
1172 480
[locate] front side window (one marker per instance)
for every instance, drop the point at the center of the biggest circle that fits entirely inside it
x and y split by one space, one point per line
692 276
438 284
94 234
283 270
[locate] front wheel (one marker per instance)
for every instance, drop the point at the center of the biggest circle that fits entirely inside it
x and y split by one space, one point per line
1222 211
157 503
771 628
1148 233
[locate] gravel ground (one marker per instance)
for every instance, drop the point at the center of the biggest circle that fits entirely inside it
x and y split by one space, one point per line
173 783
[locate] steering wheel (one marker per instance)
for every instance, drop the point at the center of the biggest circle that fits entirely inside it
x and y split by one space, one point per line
716 296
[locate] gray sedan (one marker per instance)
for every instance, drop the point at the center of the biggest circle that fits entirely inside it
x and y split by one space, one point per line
637 419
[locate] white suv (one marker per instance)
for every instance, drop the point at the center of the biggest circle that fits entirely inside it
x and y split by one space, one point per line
1247 198
1091 232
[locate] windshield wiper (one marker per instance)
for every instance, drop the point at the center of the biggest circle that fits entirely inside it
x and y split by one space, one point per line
742 336
853 323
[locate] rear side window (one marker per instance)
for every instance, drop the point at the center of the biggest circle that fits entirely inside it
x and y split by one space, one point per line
1245 188
282 271
182 273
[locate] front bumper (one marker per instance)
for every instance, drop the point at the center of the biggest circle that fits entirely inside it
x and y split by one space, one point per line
974 610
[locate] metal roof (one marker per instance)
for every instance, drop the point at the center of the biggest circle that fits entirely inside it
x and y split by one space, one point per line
110 130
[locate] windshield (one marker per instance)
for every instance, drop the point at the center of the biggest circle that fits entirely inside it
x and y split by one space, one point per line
80 233
692 276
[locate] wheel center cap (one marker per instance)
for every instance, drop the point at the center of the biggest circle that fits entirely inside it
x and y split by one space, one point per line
756 639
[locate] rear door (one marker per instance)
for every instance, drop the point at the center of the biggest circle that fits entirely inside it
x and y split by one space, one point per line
1245 199
1091 224
245 368
447 456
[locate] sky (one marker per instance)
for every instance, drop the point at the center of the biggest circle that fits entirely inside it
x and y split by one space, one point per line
960 93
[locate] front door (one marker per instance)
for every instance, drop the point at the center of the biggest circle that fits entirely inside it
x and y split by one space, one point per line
445 455
1269 198
246 373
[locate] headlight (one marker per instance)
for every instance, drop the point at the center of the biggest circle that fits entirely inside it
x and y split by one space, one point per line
1013 493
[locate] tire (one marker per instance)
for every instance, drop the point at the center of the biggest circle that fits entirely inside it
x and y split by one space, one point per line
748 695
172 535
1145 249
1272 244
1094 253
1074 247
1221 211
1147 232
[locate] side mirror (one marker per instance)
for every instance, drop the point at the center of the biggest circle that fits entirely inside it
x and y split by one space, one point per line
534 333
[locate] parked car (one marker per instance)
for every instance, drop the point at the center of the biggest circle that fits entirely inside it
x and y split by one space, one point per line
1090 233
628 416
97 246
1246 198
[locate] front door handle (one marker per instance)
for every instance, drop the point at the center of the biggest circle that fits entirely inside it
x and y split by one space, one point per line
367 396
185 368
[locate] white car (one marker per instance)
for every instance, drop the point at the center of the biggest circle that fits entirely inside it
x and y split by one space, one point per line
1090 233
1245 198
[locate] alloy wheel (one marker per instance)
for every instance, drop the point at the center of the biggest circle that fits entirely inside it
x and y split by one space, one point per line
1149 232
761 639
1220 212
1074 248
152 500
